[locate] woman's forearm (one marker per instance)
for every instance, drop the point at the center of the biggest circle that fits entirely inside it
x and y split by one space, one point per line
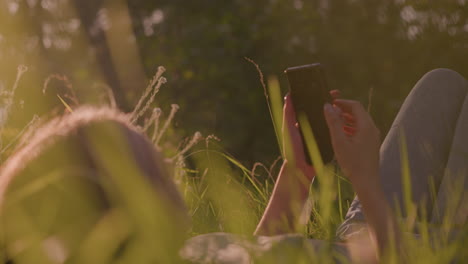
286 202
379 215
356 142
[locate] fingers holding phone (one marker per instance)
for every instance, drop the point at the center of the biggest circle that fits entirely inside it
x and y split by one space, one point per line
345 130
347 117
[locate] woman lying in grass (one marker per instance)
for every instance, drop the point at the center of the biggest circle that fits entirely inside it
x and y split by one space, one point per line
88 187
429 133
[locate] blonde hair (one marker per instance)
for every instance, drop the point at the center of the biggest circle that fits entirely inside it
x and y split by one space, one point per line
71 125
75 129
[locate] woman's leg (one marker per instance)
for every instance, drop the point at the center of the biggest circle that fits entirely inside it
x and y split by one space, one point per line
427 121
452 196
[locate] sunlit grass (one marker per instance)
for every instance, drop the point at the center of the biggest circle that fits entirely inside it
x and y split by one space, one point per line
220 192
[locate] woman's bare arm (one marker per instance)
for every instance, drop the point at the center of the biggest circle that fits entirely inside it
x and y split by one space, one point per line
292 185
286 203
356 142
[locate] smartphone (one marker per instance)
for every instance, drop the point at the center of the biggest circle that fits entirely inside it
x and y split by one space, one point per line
309 92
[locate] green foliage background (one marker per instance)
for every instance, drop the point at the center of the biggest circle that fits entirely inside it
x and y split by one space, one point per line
381 45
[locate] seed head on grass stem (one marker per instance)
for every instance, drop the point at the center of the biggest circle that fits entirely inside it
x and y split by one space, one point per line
21 70
154 116
211 138
9 95
195 139
156 80
160 82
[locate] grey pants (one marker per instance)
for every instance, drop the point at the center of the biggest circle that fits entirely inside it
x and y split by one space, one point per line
434 124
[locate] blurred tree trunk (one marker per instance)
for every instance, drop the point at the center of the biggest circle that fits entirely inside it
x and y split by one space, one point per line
87 11
124 50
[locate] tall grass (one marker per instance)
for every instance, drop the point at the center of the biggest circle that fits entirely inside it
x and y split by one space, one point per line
221 195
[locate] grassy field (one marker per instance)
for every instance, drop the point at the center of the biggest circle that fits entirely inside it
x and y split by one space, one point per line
221 194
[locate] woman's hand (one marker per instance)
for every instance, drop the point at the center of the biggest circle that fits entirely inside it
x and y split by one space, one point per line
355 140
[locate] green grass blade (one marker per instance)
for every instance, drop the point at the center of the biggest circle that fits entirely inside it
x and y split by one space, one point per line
276 109
409 206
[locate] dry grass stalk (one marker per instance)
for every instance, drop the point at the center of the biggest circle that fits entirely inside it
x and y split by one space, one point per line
9 94
262 79
273 165
195 139
110 95
154 116
254 168
72 96
179 172
156 126
160 82
21 70
211 138
152 83
8 101
174 109
27 130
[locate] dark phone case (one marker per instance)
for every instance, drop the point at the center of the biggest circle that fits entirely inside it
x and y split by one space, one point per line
309 93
